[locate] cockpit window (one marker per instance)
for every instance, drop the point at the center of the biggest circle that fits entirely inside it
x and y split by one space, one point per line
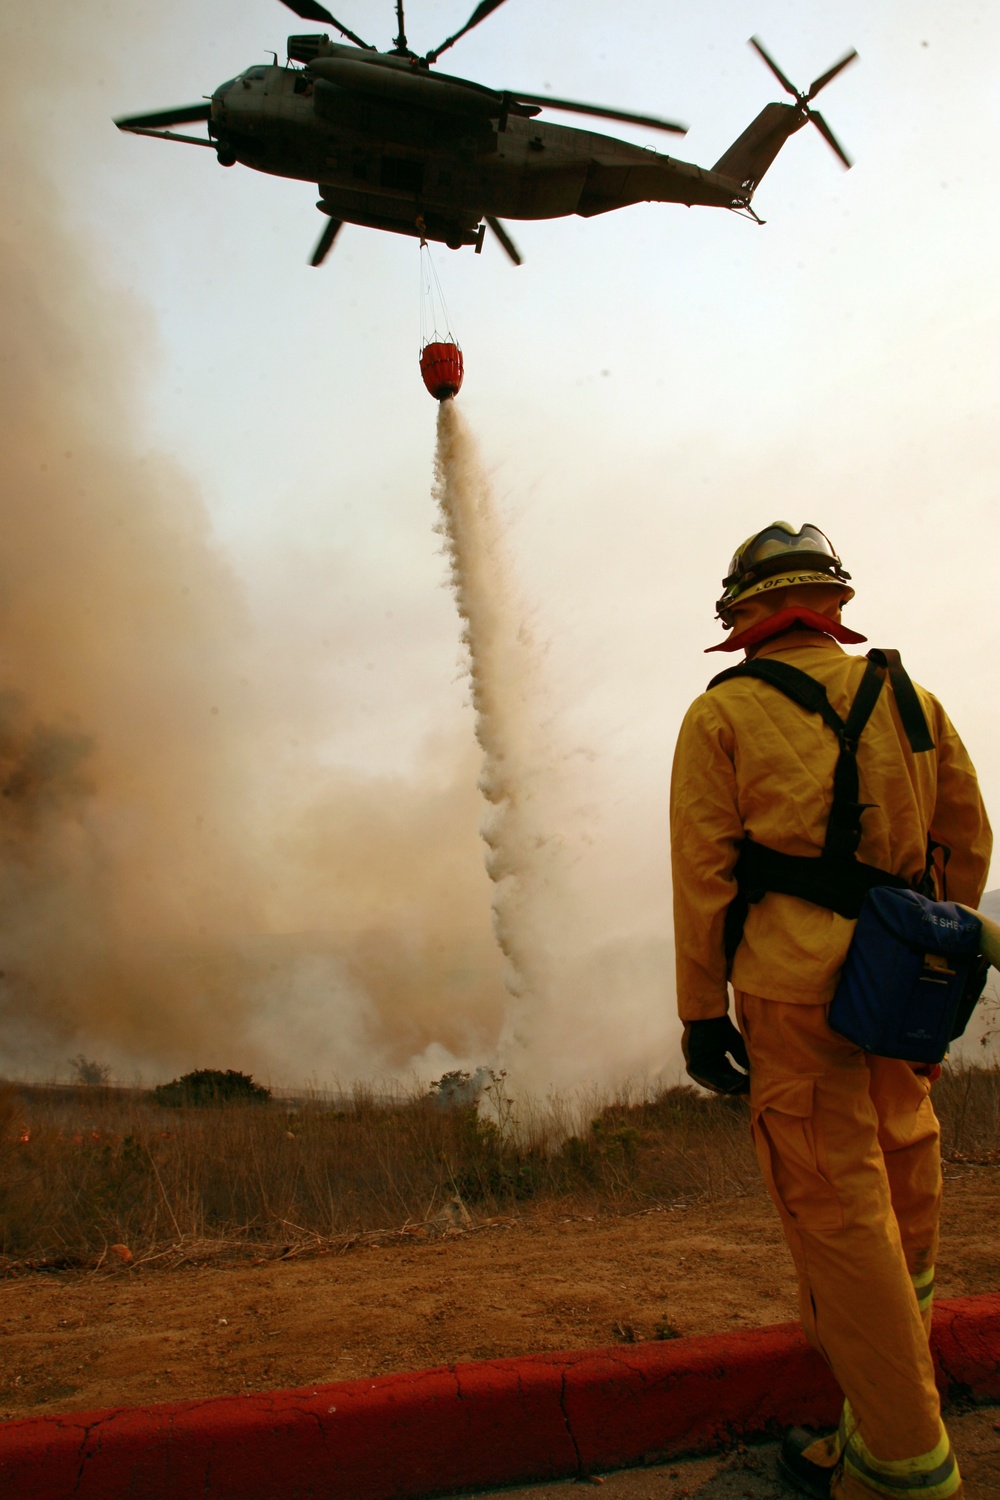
256 73
224 88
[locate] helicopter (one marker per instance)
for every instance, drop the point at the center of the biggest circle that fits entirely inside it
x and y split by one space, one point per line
394 144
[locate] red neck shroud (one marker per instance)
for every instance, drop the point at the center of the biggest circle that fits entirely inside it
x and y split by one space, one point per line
787 619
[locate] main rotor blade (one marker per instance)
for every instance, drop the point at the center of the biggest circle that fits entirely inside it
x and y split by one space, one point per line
168 135
311 10
824 78
779 75
484 9
505 239
185 115
829 137
573 108
326 239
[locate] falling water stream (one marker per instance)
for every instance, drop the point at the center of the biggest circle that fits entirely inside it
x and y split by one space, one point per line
521 856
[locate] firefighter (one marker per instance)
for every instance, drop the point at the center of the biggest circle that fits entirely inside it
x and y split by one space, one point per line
848 1142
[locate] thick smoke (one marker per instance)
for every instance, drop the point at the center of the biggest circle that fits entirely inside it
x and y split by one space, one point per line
167 897
172 892
120 664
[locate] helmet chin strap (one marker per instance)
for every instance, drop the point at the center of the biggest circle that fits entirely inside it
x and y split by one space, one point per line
787 619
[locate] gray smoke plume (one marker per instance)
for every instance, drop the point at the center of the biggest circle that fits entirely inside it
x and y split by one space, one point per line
178 887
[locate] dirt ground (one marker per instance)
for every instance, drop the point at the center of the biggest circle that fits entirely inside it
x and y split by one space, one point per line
545 1280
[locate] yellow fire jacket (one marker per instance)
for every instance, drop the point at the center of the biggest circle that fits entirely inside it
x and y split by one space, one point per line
749 761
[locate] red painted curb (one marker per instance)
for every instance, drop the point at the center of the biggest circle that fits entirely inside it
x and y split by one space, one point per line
466 1426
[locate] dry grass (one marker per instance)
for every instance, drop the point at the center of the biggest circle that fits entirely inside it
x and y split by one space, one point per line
89 1168
968 1104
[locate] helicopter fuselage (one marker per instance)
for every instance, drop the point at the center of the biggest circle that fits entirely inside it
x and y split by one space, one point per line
427 155
394 144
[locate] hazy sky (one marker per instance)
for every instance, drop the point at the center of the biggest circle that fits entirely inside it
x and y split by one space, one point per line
647 389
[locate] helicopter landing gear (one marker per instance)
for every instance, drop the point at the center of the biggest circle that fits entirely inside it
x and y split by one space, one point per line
226 156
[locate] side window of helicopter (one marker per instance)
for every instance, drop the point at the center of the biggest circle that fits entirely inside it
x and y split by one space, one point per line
303 84
254 75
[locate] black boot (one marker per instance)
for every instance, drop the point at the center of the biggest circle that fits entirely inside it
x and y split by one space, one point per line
810 1475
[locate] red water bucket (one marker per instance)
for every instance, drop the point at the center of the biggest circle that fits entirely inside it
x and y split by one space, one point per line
442 369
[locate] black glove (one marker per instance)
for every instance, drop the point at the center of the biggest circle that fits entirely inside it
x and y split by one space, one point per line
708 1046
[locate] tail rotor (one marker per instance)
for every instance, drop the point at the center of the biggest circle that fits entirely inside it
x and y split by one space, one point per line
803 100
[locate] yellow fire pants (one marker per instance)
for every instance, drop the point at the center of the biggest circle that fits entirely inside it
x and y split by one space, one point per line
849 1147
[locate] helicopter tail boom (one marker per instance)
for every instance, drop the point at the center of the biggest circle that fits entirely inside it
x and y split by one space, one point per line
750 155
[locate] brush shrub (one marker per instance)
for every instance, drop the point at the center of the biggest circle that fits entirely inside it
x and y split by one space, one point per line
208 1086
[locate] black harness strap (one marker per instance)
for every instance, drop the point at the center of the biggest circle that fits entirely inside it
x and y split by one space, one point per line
795 684
811 695
843 831
910 711
836 878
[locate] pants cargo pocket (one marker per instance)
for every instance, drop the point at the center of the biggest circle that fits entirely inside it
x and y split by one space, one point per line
785 1137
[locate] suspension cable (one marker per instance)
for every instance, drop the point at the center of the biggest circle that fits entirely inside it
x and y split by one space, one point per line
432 303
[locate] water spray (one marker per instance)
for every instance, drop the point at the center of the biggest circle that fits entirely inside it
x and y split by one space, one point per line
501 669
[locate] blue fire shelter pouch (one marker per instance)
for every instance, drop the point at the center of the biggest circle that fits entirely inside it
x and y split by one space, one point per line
912 976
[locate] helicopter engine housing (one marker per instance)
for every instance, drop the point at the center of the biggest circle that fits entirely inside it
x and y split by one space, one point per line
405 86
309 46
